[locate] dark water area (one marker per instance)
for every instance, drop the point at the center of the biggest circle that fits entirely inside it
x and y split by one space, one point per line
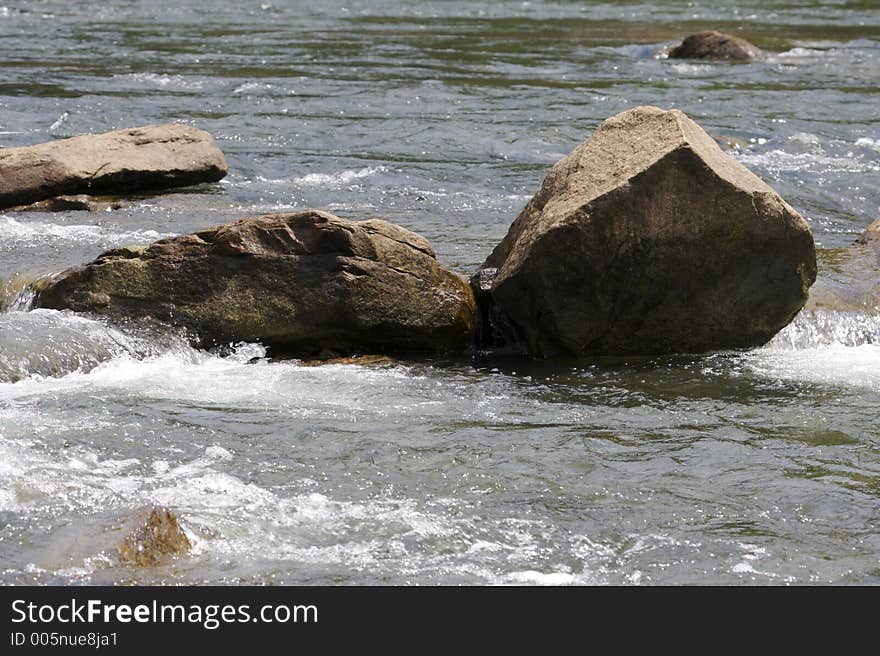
752 467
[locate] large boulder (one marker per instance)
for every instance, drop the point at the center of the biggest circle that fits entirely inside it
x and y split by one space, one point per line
716 45
646 239
144 158
307 283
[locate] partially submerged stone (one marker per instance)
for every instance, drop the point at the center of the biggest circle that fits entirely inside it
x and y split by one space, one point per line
646 239
362 360
152 537
136 159
716 45
77 203
306 283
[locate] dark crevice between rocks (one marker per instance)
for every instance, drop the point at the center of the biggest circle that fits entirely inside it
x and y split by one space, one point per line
494 334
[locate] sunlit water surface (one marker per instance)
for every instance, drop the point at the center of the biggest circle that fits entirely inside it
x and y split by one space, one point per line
755 467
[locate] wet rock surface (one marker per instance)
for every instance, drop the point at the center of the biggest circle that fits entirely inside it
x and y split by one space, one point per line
716 45
646 239
305 283
152 537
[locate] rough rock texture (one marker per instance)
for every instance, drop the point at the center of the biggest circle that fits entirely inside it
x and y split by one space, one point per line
716 45
152 537
646 239
145 158
306 283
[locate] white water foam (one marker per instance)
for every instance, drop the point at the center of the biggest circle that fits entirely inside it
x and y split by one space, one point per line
47 344
22 301
819 328
684 68
800 52
338 179
780 160
227 517
16 234
253 88
866 142
162 81
836 348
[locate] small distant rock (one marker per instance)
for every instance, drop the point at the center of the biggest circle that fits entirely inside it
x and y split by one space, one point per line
137 159
152 537
78 203
716 45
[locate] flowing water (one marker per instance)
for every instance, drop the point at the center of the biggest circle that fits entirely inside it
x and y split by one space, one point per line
755 467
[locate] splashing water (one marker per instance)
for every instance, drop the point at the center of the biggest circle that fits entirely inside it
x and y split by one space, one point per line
822 328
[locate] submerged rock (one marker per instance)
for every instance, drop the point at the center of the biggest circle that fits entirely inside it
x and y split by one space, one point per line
306 283
646 239
144 158
362 360
78 203
152 537
716 45
146 537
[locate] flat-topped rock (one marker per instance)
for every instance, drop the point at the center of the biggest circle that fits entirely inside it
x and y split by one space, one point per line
136 159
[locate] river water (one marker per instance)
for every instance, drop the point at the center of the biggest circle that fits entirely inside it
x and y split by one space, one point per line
756 467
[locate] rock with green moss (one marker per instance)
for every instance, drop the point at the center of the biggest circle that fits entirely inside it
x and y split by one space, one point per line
305 284
646 239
